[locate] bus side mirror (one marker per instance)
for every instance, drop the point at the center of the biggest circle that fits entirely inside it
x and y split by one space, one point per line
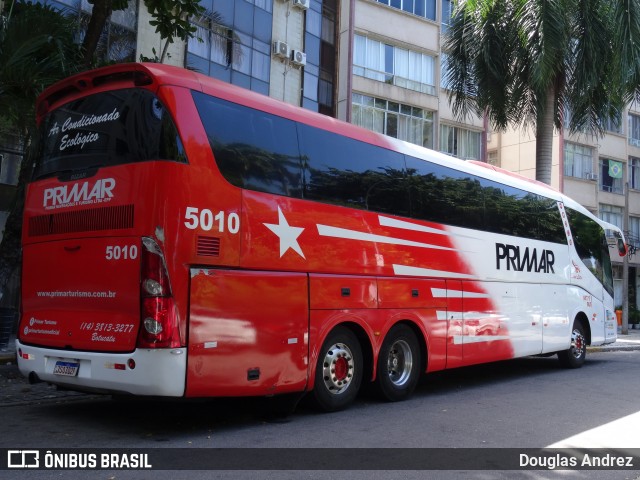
622 248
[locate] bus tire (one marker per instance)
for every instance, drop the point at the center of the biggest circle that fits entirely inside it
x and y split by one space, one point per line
398 364
339 371
575 356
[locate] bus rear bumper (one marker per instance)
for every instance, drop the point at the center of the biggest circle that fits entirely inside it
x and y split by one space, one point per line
160 372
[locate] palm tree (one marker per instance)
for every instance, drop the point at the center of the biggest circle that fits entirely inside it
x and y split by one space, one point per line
530 62
100 13
36 49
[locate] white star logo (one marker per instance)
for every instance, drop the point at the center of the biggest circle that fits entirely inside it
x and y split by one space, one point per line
288 235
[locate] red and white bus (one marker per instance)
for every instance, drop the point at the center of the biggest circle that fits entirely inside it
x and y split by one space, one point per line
187 238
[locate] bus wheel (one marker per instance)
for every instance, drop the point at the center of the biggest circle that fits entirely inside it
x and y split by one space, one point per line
398 364
575 356
338 371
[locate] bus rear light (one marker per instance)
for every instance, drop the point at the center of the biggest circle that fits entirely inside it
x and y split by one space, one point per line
159 325
131 363
152 287
24 355
152 326
142 79
157 309
155 281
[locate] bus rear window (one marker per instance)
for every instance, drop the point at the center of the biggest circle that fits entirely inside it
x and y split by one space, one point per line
110 128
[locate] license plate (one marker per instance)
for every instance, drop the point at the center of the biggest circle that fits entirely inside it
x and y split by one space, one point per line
66 369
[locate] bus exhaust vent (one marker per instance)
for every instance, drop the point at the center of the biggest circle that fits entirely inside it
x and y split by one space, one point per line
208 246
91 219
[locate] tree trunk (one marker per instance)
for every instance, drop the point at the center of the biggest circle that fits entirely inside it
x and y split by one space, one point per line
11 251
544 138
99 16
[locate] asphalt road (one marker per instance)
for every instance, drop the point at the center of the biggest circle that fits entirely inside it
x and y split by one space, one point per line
526 403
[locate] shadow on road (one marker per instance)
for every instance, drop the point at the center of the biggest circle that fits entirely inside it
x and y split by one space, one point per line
161 420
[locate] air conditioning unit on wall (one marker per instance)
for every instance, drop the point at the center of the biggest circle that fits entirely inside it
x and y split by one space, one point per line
298 58
280 49
592 176
301 4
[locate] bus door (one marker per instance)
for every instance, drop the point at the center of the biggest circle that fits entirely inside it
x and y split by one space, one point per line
532 300
248 333
500 321
556 322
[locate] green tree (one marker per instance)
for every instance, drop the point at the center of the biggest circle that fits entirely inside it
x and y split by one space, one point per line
172 19
530 62
37 48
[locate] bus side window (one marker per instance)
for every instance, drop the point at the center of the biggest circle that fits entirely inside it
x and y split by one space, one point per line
253 149
344 171
444 195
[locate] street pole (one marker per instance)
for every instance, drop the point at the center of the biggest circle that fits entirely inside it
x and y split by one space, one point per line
625 266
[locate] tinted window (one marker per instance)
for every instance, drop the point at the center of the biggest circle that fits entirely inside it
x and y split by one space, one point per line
510 211
550 222
111 128
253 149
347 172
264 152
591 246
445 195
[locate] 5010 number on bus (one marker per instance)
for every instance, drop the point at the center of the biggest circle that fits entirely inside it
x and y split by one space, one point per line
206 220
126 252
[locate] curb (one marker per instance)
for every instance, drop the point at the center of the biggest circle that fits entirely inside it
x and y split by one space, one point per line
7 357
611 348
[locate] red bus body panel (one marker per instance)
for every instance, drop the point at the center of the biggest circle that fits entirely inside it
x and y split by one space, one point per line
247 333
81 310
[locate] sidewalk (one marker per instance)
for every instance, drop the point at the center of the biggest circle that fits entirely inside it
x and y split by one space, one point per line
15 389
624 342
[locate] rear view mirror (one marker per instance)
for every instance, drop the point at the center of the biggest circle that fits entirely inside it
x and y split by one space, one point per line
622 248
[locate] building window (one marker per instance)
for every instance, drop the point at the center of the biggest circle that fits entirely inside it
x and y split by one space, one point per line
460 142
422 8
578 161
612 214
404 122
444 70
613 125
447 13
610 179
117 41
320 73
634 130
237 48
394 65
633 236
634 173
